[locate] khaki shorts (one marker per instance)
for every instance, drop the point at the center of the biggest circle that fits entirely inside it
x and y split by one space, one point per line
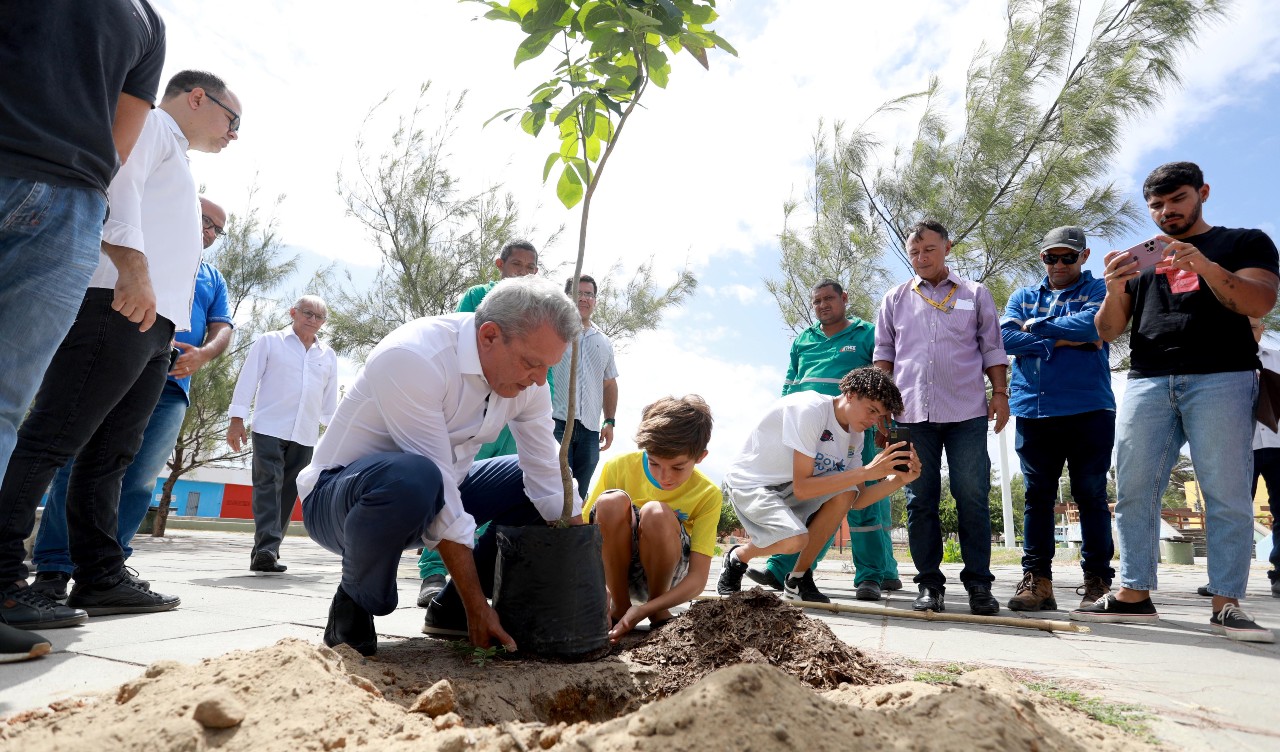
637 582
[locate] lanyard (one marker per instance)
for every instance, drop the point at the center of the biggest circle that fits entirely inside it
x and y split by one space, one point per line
940 306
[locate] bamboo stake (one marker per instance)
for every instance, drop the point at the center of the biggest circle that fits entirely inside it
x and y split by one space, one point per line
1044 625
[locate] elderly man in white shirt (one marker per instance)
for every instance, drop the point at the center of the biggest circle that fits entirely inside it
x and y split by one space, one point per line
106 377
291 379
397 470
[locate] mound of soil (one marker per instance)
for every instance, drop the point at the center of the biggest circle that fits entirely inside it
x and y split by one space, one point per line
298 696
752 627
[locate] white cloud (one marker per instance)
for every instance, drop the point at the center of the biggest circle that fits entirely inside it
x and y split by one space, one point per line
739 292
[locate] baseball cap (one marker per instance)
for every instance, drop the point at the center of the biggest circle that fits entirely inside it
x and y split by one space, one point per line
1069 237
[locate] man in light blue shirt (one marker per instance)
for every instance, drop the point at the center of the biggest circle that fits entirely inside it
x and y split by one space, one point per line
1066 414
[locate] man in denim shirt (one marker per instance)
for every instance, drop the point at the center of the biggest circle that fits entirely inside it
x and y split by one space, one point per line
1061 395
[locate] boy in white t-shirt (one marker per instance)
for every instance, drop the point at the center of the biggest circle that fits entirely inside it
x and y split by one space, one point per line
801 472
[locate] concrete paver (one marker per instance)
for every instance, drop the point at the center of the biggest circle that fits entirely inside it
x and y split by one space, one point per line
1204 691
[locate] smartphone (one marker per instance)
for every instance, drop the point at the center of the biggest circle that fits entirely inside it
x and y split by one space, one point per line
896 434
174 354
1147 253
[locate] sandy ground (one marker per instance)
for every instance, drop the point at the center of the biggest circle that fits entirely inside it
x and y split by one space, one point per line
778 681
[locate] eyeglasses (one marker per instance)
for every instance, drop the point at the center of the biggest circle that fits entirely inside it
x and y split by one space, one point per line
586 295
1067 258
312 315
234 125
209 224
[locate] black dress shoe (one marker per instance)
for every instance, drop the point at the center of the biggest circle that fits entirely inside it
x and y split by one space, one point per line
982 602
349 624
120 594
265 562
930 599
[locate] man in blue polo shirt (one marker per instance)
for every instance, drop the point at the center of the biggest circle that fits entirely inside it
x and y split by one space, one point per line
209 337
1066 413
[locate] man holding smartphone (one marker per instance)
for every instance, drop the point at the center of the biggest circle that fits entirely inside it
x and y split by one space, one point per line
1060 392
1192 380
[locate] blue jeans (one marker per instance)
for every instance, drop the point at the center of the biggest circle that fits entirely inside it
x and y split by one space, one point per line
1083 443
969 468
378 506
50 237
52 552
584 453
1214 412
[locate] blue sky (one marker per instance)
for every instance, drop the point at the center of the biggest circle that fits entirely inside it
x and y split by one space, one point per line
703 170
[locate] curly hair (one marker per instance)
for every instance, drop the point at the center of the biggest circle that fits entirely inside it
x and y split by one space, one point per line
675 427
870 382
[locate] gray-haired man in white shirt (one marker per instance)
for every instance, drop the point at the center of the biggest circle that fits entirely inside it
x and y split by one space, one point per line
397 468
106 377
291 379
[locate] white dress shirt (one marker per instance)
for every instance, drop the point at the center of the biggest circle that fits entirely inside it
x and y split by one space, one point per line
155 210
596 365
296 387
422 391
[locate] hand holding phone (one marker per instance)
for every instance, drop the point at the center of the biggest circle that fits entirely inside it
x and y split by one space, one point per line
896 434
1148 253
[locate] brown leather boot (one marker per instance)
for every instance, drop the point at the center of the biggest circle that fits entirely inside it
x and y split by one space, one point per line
1035 593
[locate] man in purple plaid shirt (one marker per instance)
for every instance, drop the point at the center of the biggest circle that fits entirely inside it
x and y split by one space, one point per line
938 333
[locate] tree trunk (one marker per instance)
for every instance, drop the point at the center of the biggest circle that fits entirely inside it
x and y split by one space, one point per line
166 499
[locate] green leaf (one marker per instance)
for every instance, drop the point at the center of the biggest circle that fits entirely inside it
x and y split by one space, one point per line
522 7
502 14
552 158
699 54
721 43
533 46
569 188
500 113
569 146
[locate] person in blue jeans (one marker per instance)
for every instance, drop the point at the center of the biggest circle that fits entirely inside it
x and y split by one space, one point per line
1192 380
209 337
67 121
1060 392
396 469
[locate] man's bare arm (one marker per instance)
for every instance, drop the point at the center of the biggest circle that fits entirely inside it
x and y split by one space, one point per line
134 298
131 114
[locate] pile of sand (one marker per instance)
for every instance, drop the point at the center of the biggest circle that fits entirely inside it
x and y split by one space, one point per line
421 694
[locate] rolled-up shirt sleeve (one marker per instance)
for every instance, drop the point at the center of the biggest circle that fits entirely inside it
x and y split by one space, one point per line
539 457
990 343
124 223
410 391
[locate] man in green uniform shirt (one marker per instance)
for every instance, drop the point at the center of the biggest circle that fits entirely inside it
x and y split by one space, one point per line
518 259
820 356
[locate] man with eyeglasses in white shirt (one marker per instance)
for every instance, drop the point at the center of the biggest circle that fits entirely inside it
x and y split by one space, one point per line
106 377
290 378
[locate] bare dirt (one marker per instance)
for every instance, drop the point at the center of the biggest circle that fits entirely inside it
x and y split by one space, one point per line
743 687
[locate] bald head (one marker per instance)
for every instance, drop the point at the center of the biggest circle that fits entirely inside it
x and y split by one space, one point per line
212 219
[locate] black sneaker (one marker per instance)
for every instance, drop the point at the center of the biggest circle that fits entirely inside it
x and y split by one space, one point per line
764 577
20 645
1203 590
23 607
868 591
1233 622
802 589
1275 588
52 585
430 588
731 571
265 561
349 624
443 621
1111 610
132 574
119 595
891 584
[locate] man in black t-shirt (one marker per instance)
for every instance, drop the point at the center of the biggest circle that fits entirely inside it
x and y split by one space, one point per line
1192 379
77 80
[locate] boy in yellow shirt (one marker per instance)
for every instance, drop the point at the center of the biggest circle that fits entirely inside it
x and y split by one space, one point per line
657 515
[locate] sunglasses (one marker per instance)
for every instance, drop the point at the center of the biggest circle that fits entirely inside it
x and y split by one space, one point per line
1066 258
234 125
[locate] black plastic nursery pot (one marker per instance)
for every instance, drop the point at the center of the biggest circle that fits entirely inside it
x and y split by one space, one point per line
549 592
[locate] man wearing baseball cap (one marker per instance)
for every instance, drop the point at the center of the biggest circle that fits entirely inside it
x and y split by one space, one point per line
1066 414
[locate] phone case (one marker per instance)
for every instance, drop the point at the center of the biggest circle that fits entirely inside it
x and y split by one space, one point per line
1148 253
